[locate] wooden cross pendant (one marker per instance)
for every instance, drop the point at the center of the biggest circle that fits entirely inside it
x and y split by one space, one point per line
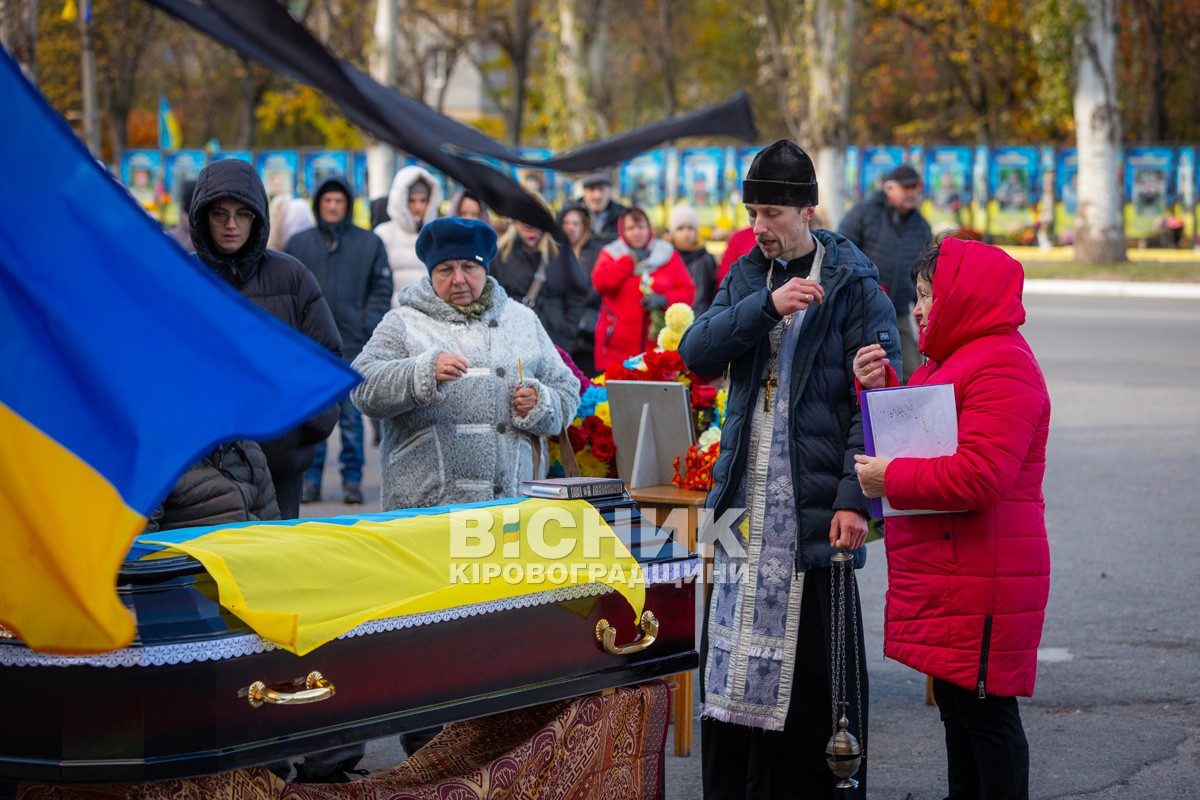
768 383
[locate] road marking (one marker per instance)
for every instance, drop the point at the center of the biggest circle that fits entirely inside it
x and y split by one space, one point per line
1054 655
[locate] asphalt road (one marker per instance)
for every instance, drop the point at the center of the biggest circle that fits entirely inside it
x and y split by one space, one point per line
1116 713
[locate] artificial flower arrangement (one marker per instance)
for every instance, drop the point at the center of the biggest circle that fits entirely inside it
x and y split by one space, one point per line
590 433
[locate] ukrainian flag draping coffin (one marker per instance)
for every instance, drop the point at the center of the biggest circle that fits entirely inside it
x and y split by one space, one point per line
199 692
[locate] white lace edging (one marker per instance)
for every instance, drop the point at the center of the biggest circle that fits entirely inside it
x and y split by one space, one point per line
228 647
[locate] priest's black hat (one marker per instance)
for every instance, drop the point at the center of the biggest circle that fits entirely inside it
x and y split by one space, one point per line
781 174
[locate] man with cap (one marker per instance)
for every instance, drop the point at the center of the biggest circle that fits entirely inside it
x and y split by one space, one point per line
888 227
785 325
351 266
601 208
464 378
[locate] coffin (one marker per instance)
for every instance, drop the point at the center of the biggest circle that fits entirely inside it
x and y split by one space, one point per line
187 698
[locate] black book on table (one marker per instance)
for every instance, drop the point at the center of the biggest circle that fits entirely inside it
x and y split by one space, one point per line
573 488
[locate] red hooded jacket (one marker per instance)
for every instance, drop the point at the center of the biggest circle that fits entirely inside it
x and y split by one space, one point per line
967 591
623 327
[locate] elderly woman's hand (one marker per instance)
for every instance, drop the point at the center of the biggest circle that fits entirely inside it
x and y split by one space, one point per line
870 366
524 400
449 367
870 470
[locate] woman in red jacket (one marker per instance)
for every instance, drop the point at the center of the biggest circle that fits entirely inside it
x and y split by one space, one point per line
635 276
967 591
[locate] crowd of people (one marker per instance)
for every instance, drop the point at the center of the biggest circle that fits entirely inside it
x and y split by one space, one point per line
467 342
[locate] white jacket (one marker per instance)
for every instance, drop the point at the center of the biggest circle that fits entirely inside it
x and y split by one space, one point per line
399 234
459 441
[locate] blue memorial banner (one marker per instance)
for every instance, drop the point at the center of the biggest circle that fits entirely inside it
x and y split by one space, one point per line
179 166
322 164
745 155
1066 196
948 177
643 183
851 179
700 171
237 155
877 162
141 171
542 181
280 171
1149 193
1185 180
1014 186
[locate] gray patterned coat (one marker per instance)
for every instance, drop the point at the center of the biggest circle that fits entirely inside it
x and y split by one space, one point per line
460 441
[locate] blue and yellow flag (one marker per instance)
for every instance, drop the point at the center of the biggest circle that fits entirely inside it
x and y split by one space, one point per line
122 361
170 136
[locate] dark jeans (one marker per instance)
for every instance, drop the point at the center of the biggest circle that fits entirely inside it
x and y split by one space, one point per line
351 458
986 751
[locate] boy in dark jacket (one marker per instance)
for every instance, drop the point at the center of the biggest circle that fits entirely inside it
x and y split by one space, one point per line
229 229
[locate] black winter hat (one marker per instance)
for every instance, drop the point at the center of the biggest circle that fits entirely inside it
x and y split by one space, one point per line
781 175
453 238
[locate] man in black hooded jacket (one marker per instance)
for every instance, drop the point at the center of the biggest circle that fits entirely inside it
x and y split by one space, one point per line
351 265
229 229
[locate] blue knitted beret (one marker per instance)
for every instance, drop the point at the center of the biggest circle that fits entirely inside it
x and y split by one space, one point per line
453 238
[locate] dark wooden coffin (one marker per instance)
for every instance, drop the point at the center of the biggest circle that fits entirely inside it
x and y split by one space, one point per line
178 702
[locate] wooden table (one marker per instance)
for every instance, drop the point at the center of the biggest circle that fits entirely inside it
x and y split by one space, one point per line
679 509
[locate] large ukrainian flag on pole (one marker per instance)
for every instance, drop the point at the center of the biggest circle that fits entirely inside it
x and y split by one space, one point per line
122 361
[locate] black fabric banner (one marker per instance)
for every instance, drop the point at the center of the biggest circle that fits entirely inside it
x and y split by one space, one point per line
263 30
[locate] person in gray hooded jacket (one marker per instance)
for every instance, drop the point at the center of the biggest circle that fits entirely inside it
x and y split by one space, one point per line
464 378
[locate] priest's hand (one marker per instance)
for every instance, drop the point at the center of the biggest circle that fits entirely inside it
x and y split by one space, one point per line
524 400
848 530
449 367
870 366
870 470
796 295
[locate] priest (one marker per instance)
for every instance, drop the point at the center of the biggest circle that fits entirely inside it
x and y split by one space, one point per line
785 325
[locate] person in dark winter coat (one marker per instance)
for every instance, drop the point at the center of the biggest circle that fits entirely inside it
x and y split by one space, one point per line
542 276
230 227
230 484
603 211
352 268
786 324
683 227
577 227
891 231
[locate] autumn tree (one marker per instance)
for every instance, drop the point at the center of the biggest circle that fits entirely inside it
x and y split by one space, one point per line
1099 225
18 32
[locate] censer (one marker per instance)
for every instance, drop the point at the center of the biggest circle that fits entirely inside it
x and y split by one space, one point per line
843 750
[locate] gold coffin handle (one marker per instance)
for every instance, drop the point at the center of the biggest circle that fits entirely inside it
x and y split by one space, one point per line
606 635
316 688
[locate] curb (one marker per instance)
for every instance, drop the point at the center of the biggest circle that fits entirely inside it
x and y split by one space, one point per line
1173 291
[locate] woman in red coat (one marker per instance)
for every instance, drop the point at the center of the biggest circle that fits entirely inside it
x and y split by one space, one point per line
635 275
967 591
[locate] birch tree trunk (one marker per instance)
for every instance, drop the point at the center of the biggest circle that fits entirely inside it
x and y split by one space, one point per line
381 158
827 125
1099 224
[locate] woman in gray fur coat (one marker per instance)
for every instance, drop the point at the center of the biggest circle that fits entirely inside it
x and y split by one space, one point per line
464 378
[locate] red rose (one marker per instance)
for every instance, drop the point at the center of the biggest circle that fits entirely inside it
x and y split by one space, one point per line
593 426
703 395
603 449
577 438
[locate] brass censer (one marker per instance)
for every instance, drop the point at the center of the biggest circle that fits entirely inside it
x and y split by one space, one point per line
844 754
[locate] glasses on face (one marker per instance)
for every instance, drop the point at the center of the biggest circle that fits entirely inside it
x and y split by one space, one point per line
221 216
446 271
